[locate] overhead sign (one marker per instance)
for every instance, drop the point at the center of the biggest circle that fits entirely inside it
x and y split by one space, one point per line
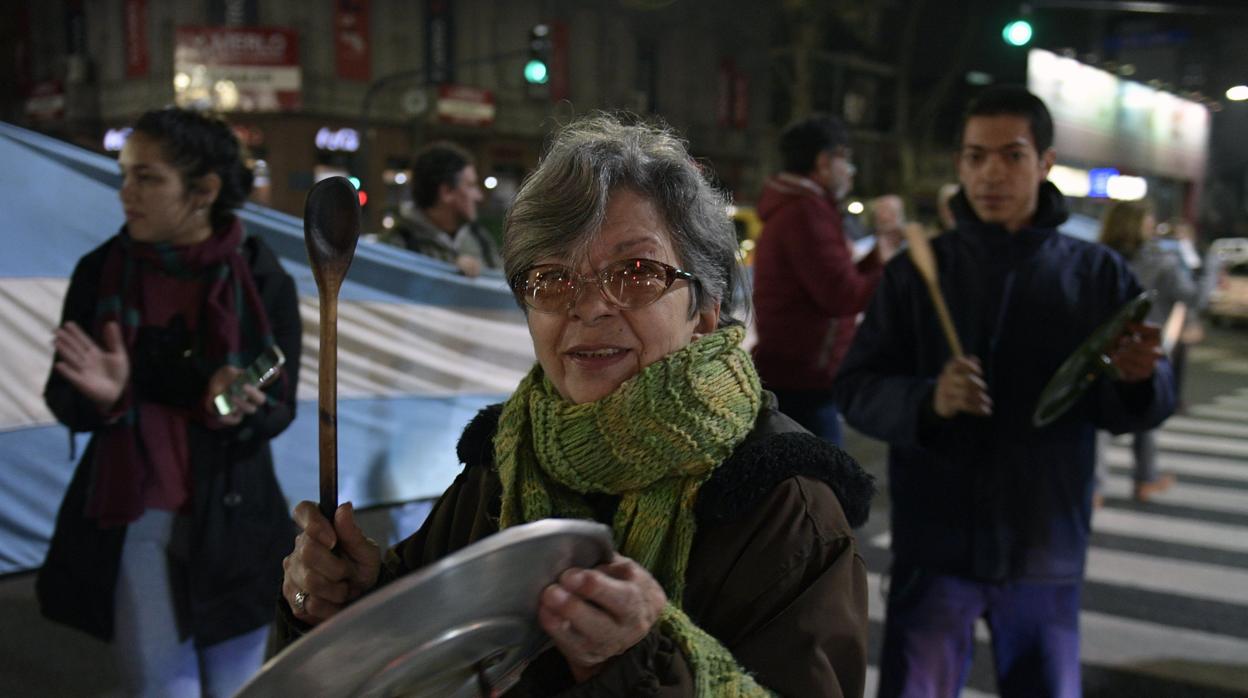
352 57
439 42
1098 183
134 37
237 68
1099 118
466 106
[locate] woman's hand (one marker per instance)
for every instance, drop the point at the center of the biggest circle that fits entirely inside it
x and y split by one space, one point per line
320 582
245 401
594 615
100 374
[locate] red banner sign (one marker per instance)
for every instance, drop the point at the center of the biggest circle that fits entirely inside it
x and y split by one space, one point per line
237 68
351 40
466 106
134 31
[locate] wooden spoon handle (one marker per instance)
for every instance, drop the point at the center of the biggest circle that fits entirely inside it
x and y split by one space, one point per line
328 403
946 322
924 261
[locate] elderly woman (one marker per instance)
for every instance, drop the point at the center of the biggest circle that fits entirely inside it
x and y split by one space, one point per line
737 572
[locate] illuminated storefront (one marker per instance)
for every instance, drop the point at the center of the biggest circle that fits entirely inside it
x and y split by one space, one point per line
1119 139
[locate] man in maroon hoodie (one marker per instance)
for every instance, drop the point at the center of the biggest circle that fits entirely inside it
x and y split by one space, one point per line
808 291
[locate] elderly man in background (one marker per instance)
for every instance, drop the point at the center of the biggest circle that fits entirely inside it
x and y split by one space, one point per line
888 224
808 290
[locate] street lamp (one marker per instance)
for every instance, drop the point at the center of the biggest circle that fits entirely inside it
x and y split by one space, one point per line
1237 93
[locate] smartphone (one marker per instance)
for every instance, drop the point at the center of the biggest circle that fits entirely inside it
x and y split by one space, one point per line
260 373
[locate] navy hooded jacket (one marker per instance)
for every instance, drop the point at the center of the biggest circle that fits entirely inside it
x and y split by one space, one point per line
994 498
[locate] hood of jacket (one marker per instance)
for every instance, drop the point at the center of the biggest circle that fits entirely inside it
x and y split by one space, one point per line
786 187
1051 208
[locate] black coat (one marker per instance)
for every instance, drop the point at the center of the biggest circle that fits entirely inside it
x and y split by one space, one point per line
240 526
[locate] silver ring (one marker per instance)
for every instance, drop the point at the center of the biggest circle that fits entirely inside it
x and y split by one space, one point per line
300 598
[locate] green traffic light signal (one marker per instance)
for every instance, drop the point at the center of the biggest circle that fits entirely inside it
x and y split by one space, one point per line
1017 33
537 68
535 72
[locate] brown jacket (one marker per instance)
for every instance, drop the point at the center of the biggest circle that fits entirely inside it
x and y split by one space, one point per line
774 572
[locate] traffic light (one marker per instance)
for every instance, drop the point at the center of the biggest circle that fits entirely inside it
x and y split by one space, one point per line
355 182
537 68
1017 32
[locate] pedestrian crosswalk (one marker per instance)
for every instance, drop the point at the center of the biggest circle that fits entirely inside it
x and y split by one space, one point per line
1165 607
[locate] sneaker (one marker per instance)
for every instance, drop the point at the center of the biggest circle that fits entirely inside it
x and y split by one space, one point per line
1145 491
1098 501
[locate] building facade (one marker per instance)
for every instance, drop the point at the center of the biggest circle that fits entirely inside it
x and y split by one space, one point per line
355 86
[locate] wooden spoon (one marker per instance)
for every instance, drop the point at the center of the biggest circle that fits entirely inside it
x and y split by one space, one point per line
331 227
925 261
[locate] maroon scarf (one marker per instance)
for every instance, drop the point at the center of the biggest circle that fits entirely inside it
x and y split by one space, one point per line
232 328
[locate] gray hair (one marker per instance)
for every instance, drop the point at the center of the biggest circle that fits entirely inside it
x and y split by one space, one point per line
563 203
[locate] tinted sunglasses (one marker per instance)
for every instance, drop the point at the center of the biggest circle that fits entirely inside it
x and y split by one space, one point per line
628 284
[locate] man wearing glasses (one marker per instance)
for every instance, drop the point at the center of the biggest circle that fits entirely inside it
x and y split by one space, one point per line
808 290
991 514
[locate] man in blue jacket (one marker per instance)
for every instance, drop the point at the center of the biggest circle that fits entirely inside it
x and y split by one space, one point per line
990 515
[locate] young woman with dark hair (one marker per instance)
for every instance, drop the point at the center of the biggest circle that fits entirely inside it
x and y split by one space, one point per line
169 541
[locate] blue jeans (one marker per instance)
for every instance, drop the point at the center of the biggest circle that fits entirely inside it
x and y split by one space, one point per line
929 635
152 657
814 410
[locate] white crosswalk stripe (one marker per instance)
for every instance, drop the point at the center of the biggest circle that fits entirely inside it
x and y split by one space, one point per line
1187 548
1203 443
1218 412
1211 498
1189 425
1186 464
1172 530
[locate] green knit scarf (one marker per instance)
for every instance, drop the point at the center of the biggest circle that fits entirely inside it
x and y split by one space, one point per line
653 442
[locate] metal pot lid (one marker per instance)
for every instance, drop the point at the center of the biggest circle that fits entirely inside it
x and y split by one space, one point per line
441 630
1081 369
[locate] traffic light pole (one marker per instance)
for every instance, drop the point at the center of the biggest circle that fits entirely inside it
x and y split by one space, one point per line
376 86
